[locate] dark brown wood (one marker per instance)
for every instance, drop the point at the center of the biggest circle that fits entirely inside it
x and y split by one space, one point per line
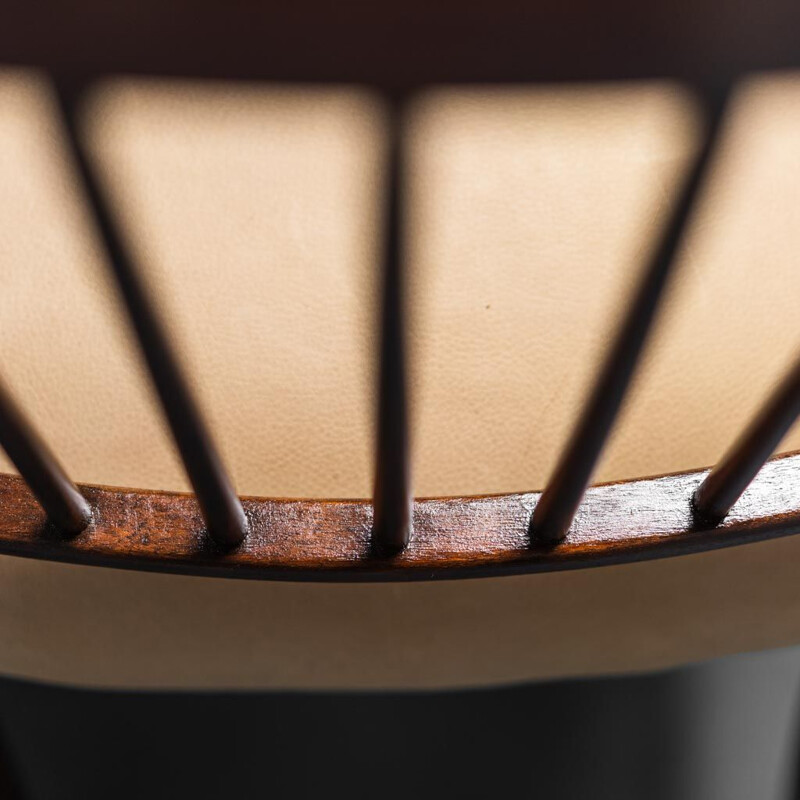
397 47
725 483
63 504
562 496
453 537
392 497
408 43
221 507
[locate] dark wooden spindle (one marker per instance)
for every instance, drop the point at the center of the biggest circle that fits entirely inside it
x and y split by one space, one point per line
64 505
221 508
392 497
560 500
725 483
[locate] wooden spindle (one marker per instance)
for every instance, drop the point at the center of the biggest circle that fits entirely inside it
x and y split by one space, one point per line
221 508
64 505
392 497
725 483
560 500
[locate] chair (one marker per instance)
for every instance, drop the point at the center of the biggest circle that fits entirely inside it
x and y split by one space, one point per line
636 574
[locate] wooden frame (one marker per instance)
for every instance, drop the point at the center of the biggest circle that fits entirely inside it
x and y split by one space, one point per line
408 44
396 49
454 537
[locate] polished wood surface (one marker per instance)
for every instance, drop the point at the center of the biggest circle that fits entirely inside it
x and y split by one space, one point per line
399 48
453 537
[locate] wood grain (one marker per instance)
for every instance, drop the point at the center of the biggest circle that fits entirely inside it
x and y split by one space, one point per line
453 537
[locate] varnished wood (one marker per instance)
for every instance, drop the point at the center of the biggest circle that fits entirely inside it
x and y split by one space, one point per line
63 504
396 47
408 44
563 493
222 509
726 482
453 538
392 496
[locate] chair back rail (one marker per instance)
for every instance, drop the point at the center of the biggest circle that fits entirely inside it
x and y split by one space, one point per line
405 45
454 537
564 526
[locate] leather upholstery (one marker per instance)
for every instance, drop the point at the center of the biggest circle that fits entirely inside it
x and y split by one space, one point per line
255 213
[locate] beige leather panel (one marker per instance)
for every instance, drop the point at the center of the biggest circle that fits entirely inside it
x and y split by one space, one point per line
99 627
255 212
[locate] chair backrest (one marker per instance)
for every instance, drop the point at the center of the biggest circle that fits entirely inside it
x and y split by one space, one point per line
400 51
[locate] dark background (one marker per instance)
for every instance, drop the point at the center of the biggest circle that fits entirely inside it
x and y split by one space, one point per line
722 730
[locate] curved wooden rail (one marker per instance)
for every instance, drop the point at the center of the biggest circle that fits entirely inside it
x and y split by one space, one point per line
454 537
405 45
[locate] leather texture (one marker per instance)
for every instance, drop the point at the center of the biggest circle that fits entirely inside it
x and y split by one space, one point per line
255 213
